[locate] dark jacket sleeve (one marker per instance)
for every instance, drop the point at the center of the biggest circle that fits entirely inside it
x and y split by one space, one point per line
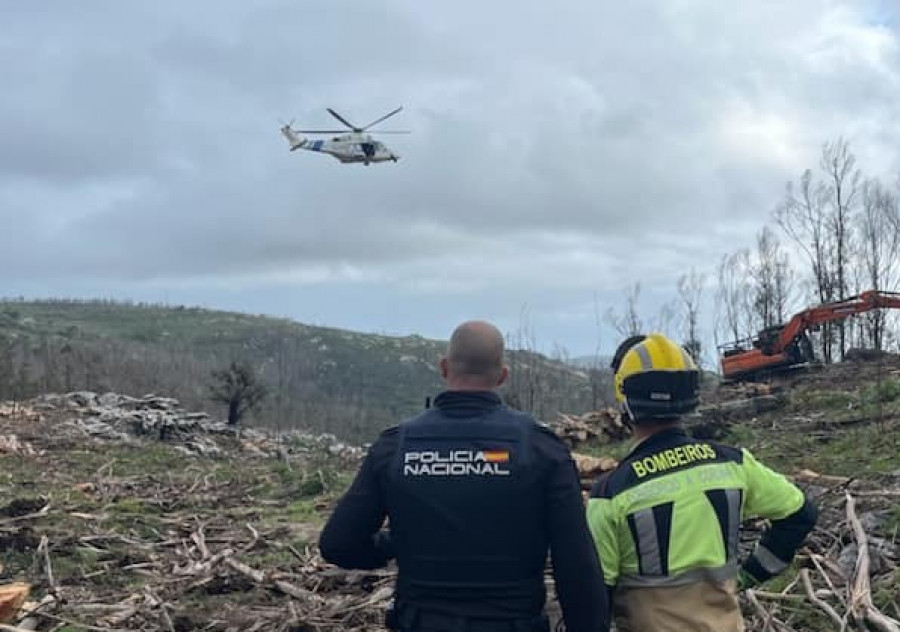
771 495
352 536
777 547
576 568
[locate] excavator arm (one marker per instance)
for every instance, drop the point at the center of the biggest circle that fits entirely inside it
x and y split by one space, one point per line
781 347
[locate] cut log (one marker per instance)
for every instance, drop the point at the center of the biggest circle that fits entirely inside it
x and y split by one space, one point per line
589 466
12 596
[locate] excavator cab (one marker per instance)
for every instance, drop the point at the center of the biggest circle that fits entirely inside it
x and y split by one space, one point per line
768 338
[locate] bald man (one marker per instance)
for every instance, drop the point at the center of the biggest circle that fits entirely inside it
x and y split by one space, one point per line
476 495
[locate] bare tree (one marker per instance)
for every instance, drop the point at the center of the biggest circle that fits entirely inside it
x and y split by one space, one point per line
770 274
734 309
784 285
524 387
666 318
690 290
600 376
239 388
627 323
842 190
879 249
803 215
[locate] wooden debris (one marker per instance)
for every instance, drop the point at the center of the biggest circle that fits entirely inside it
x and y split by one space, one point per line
10 444
819 602
590 467
739 408
809 476
12 596
600 427
19 412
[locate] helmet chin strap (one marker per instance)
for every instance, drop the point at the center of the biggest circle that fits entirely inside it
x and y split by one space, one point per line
628 417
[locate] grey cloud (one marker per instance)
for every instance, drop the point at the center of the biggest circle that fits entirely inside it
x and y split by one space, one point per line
550 144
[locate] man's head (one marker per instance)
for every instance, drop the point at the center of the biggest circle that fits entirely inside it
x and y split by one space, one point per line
474 360
656 380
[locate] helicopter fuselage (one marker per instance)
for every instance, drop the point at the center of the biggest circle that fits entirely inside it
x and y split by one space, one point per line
352 148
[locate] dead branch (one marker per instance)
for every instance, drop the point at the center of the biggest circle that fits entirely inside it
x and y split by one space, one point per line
860 590
822 604
44 551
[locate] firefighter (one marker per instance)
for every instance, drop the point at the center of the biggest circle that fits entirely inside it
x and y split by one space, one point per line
666 520
475 495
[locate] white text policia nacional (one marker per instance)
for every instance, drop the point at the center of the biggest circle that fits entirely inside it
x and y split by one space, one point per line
456 463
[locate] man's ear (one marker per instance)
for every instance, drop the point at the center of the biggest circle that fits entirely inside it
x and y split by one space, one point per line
504 373
444 366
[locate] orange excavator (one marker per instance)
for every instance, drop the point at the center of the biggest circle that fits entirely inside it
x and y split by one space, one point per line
785 346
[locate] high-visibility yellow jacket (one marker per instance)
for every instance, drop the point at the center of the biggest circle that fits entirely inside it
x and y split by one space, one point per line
669 517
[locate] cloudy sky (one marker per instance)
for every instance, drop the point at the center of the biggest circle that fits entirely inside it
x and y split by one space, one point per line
560 151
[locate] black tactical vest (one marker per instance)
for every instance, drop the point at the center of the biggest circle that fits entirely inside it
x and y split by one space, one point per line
466 506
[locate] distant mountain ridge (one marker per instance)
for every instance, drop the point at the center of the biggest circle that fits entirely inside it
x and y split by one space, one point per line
325 379
590 362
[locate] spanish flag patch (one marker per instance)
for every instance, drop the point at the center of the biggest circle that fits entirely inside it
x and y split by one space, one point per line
496 456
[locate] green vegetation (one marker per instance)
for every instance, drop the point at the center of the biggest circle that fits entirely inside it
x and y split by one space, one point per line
859 451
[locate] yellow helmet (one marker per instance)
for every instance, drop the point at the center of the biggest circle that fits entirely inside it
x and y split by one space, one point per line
655 378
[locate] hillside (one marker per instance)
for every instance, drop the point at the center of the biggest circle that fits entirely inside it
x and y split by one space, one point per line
349 383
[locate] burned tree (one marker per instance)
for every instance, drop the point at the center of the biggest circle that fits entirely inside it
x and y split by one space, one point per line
239 388
770 274
628 323
842 193
690 289
734 311
879 247
803 215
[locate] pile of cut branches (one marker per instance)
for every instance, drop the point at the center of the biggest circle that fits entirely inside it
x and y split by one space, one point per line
847 577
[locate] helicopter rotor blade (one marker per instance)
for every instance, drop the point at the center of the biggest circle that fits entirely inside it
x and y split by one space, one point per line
343 120
391 131
385 117
321 131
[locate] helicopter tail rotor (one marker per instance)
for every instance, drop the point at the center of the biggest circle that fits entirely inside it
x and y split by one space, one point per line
296 141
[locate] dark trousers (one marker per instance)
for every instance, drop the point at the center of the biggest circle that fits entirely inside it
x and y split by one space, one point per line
417 620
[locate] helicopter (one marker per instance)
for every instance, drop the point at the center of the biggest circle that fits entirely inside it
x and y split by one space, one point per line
354 147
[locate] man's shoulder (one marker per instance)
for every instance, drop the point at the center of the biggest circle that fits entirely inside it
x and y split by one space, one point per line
610 483
546 432
728 452
390 433
548 443
386 443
